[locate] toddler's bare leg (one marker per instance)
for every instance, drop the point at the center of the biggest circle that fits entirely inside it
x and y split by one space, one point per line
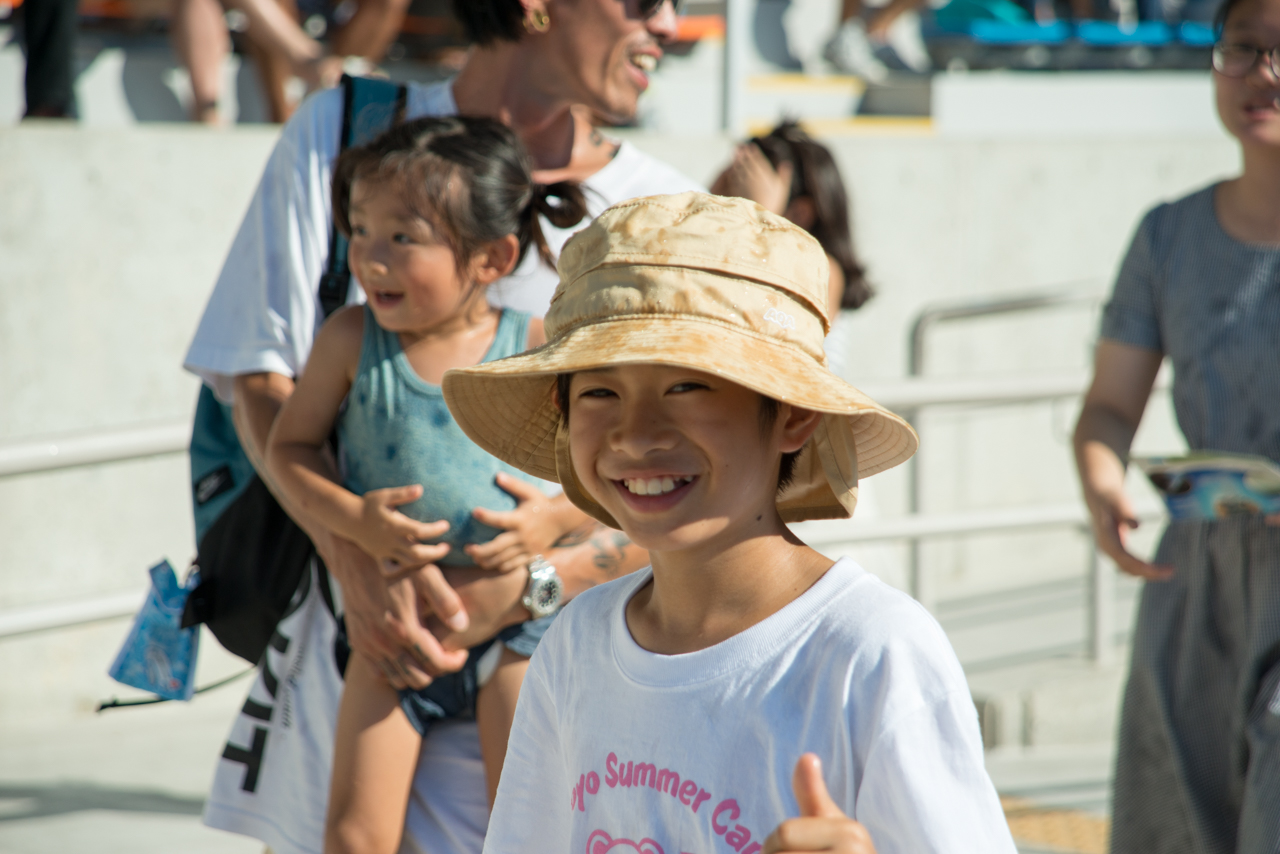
374 758
495 710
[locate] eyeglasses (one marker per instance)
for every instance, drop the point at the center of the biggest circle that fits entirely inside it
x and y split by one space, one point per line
1237 60
649 8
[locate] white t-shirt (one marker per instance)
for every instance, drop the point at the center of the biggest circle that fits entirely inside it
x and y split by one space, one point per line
273 780
614 747
264 311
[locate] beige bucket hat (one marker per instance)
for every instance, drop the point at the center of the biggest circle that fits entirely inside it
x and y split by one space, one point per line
705 282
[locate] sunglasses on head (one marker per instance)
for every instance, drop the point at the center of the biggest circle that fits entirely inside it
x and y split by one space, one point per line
649 8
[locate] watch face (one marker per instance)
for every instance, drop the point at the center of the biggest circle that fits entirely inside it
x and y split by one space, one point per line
544 597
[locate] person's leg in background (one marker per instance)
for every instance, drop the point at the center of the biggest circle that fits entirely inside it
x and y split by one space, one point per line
49 29
371 30
201 41
274 67
850 49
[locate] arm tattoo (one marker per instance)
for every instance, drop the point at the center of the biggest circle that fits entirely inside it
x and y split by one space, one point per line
573 538
599 140
610 551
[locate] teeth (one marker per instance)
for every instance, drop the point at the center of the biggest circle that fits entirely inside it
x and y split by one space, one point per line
654 485
644 62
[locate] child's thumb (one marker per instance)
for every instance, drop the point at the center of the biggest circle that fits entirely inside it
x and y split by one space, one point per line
811 790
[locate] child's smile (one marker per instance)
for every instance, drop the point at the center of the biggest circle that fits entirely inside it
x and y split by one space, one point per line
409 273
679 457
655 493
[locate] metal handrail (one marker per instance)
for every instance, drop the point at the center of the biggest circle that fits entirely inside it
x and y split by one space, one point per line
1066 294
118 605
1073 514
64 615
83 449
1100 581
61 452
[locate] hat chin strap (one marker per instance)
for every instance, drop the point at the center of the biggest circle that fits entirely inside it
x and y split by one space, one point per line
569 481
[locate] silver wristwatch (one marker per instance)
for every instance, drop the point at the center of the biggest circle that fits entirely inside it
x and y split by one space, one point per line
545 590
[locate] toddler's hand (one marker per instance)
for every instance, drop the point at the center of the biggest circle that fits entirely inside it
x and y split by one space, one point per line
532 528
392 538
822 826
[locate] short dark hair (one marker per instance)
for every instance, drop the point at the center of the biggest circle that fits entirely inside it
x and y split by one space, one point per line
469 177
768 417
815 174
488 21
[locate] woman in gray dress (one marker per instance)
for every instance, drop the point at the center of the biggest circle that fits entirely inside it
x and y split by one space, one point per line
1198 767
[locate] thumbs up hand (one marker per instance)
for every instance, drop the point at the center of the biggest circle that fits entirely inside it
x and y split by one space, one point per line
822 826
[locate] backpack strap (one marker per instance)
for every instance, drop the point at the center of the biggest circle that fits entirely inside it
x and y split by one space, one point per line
369 107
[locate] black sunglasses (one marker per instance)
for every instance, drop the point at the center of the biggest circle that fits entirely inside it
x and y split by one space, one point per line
649 8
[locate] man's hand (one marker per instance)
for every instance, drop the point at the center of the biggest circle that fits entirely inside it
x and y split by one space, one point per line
490 599
382 615
822 825
393 539
532 528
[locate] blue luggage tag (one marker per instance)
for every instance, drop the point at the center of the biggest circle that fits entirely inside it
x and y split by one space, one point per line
159 655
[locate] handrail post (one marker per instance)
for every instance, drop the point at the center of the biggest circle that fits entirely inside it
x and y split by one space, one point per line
737 41
1101 606
917 578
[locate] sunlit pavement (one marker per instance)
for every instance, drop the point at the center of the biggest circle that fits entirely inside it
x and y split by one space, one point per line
130 780
133 781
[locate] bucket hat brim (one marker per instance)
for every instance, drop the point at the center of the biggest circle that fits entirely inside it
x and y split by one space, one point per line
507 407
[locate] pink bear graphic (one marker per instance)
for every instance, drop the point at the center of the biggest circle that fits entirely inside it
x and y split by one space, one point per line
600 842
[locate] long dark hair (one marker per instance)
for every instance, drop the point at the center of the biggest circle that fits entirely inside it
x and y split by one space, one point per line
471 178
814 174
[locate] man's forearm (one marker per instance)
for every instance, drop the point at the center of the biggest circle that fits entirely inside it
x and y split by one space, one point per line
593 556
258 399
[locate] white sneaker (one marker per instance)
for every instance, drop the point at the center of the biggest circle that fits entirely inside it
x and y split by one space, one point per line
905 39
850 51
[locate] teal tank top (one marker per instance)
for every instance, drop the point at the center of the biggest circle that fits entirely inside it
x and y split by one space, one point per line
396 430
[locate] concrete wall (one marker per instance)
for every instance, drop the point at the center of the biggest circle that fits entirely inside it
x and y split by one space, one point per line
111 239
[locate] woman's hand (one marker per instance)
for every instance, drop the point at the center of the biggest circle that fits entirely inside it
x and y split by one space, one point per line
1112 517
750 175
1122 381
393 539
536 524
822 825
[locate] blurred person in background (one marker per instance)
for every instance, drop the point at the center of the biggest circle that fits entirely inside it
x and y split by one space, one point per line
791 174
279 46
49 33
865 31
542 67
1198 764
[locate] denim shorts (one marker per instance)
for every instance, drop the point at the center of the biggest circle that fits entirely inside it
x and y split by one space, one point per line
453 696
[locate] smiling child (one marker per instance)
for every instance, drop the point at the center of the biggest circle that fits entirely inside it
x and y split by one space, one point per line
746 694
